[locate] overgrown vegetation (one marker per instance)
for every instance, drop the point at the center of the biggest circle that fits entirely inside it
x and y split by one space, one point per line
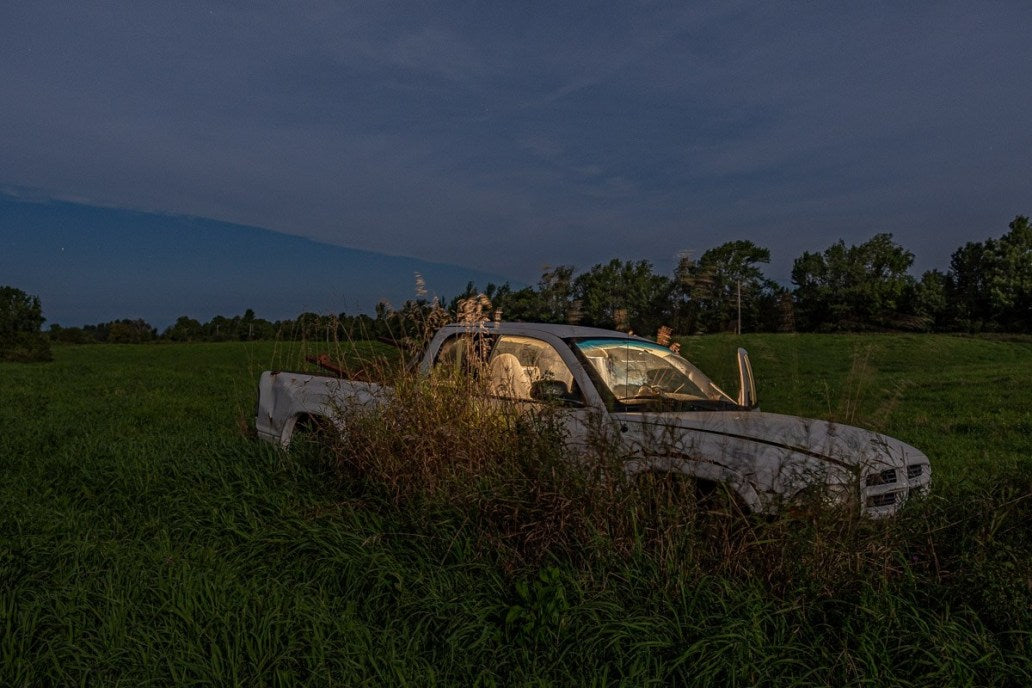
149 539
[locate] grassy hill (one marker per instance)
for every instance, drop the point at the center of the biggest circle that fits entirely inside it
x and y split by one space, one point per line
147 538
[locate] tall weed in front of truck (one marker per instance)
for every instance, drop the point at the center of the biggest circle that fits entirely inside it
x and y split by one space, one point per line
441 452
499 481
437 447
570 531
440 446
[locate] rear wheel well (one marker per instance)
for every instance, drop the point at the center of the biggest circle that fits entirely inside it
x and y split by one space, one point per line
310 427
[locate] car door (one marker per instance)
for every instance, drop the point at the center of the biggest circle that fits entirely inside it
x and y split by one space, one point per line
530 373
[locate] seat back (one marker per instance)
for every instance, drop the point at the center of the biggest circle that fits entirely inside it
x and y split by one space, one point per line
508 378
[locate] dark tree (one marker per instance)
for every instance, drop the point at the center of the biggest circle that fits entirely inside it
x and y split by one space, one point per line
21 320
989 284
522 305
185 329
710 290
624 296
931 301
855 288
556 291
1010 278
127 331
968 287
68 335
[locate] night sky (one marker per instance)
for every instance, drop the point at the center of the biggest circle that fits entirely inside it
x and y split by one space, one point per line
504 136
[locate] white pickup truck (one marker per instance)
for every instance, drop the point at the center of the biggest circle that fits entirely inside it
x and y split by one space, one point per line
665 413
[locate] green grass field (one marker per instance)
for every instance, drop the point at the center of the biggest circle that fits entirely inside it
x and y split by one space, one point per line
148 539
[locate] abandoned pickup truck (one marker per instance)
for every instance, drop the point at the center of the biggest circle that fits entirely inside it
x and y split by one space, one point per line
666 414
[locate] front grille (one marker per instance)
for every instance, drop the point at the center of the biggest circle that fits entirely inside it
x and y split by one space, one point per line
887 499
886 477
915 471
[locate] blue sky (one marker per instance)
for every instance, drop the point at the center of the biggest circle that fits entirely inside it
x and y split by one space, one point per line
504 136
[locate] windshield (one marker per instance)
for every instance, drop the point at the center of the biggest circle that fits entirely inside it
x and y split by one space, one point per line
641 373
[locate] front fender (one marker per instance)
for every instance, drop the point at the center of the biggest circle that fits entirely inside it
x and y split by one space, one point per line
700 470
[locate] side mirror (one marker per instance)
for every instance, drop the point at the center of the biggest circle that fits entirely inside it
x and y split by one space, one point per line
746 382
552 391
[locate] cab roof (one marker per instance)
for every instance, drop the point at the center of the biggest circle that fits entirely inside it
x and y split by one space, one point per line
530 328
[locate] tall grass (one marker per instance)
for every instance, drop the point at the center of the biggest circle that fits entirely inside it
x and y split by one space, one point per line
147 540
443 455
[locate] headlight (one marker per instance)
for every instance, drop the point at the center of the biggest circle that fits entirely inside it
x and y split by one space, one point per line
818 496
840 494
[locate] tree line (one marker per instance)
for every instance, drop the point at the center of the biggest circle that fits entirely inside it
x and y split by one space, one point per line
867 287
987 287
246 327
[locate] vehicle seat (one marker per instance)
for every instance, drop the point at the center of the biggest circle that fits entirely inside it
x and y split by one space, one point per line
508 377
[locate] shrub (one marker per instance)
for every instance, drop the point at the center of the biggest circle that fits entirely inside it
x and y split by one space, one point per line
21 318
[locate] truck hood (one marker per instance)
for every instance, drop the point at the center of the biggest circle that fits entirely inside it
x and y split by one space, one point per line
752 434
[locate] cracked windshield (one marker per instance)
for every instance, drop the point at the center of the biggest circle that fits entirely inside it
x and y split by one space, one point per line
643 372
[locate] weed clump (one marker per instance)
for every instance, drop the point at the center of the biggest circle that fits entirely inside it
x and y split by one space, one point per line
437 448
498 485
571 530
443 452
440 448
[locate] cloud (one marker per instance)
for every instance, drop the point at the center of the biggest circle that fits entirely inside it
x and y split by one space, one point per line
507 134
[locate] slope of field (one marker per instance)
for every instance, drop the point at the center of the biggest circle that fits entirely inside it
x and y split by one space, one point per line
92 264
147 539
